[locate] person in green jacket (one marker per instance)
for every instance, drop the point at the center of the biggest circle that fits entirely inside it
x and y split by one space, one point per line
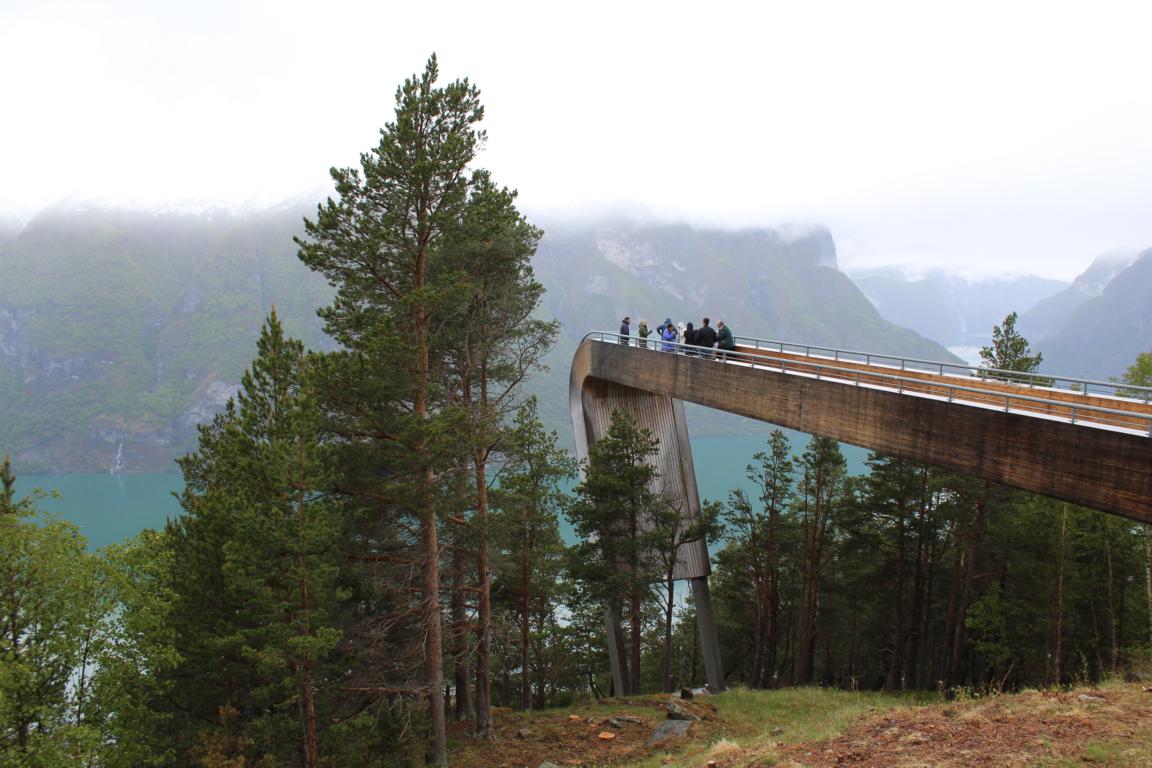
643 332
724 340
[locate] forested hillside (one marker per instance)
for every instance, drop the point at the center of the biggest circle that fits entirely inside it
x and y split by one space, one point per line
120 331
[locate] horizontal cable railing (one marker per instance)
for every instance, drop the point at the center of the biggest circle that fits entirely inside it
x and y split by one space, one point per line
1057 397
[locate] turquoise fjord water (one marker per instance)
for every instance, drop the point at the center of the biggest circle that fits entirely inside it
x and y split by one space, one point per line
110 508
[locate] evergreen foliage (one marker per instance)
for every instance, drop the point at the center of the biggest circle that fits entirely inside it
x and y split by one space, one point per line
255 565
616 561
1009 352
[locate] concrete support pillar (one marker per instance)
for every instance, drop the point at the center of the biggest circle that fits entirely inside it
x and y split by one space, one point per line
615 652
706 627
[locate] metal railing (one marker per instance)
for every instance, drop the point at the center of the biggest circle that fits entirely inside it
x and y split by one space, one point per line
958 383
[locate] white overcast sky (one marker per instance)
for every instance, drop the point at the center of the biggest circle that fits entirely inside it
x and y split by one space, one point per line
981 136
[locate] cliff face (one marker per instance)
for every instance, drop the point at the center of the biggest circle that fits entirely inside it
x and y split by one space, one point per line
121 331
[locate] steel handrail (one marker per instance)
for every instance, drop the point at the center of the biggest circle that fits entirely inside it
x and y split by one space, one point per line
1079 385
854 373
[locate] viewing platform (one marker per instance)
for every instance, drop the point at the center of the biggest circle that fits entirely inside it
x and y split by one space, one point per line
1087 442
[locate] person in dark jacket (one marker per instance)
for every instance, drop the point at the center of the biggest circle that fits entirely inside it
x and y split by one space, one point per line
724 340
624 329
706 338
689 339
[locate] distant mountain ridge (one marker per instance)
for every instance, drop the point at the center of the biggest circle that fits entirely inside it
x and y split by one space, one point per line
122 330
949 308
1102 326
1049 316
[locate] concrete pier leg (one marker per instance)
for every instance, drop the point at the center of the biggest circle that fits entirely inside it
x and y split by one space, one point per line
615 653
706 626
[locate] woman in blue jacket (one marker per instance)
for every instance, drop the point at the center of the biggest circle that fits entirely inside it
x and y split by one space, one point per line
668 334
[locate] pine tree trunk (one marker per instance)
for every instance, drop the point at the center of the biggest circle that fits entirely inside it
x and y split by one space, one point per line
462 675
772 630
969 580
525 632
429 539
896 664
942 671
433 658
812 554
667 669
759 634
916 624
1057 666
1113 642
1148 575
636 626
484 606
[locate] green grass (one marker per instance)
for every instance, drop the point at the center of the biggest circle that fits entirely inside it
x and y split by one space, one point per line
750 723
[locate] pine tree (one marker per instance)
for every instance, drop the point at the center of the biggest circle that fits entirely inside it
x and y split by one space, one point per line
1009 352
820 498
756 537
379 244
530 502
256 560
491 342
617 560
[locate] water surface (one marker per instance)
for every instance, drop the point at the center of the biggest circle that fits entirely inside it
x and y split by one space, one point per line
109 508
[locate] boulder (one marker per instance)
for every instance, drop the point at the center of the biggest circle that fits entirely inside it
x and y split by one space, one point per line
679 709
669 731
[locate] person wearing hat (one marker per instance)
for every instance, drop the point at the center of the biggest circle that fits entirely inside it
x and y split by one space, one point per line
668 334
624 329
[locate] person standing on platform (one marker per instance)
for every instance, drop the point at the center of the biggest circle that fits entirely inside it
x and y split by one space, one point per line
668 334
624 329
689 339
724 341
643 332
706 338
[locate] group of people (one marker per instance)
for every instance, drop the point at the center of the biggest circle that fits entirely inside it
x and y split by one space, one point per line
669 335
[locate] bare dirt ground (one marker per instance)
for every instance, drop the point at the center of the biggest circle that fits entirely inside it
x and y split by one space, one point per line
1110 726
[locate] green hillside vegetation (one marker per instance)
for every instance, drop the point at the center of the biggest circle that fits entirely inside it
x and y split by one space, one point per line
122 327
115 323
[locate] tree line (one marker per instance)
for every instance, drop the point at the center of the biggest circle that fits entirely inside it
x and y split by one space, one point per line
371 541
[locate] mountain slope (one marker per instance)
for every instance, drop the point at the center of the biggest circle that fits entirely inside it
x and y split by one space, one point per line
949 308
779 284
1102 336
1050 315
120 331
